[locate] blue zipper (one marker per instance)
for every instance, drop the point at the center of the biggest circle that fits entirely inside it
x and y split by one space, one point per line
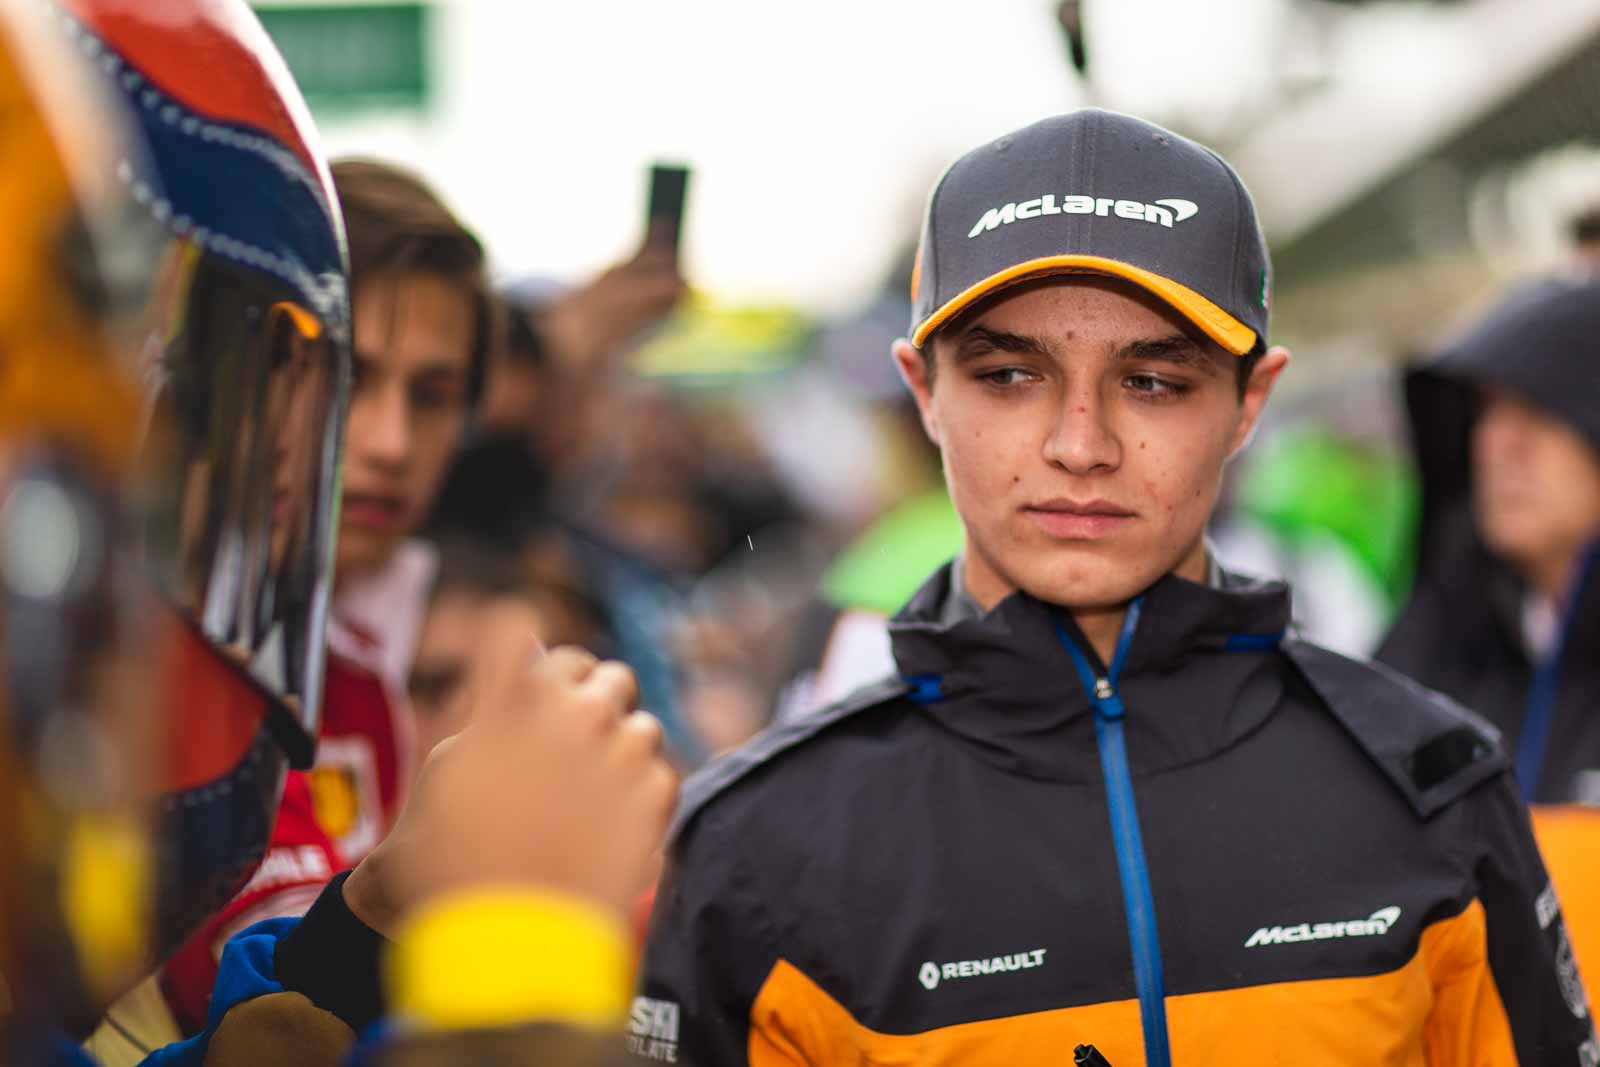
1137 901
1538 716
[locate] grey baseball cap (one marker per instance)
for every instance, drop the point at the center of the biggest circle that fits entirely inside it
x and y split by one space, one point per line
1096 192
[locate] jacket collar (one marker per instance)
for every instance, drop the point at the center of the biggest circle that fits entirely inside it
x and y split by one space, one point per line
1003 681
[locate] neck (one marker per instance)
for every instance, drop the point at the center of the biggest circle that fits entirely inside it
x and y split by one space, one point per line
1555 579
1101 625
348 574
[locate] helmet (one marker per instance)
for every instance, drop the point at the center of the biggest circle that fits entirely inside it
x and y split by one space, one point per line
171 408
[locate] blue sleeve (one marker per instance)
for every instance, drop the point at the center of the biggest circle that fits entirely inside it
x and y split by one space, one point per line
246 971
62 1051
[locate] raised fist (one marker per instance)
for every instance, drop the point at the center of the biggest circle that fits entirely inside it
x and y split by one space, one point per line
556 782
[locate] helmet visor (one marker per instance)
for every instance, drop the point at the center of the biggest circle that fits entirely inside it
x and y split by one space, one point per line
250 385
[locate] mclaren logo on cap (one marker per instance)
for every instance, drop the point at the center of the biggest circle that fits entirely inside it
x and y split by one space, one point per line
1165 212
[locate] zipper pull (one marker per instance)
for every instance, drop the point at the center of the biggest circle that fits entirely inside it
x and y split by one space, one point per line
1088 1056
1103 690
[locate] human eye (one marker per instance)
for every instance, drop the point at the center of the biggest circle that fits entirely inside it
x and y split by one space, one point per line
437 396
1154 386
1004 377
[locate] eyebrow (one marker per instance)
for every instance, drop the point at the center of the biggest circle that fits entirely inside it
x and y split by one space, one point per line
439 368
976 341
442 369
1178 349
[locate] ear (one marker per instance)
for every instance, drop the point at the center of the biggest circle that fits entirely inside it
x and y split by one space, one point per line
1256 392
914 372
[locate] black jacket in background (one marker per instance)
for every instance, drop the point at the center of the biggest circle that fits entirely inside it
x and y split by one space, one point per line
1461 632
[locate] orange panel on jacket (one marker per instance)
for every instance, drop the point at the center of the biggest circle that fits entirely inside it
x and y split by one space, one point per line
1569 837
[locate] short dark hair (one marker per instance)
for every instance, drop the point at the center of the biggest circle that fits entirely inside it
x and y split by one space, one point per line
394 224
1244 366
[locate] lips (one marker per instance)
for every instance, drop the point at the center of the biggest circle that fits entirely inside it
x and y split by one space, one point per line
1078 520
372 511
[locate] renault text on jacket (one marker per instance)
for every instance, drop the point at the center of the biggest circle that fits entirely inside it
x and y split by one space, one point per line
931 973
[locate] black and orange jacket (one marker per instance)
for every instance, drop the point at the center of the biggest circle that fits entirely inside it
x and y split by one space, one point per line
1227 847
1462 630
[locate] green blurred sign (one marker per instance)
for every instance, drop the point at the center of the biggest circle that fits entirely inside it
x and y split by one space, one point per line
354 56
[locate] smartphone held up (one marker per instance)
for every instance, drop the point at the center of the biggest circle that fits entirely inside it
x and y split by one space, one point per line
669 187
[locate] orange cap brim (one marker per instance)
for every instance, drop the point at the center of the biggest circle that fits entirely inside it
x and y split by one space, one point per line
1215 323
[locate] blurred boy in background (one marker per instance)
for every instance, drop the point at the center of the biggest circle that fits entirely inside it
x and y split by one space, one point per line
474 581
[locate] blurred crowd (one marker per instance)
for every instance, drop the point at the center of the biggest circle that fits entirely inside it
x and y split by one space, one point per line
675 519
748 516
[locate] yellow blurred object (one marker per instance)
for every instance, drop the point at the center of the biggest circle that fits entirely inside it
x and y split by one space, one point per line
707 341
510 956
336 798
106 884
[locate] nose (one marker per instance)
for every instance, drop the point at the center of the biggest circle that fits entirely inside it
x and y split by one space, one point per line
380 427
1501 430
1081 441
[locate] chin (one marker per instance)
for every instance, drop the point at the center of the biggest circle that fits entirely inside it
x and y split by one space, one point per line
358 555
1506 535
1085 581
1521 552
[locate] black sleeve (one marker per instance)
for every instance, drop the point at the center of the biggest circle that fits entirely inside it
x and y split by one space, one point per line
1530 954
707 956
332 958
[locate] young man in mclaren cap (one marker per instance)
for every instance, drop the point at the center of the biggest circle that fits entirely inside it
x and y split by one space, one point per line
1107 800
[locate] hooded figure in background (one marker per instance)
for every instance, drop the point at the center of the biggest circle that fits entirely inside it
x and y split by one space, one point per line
1505 614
